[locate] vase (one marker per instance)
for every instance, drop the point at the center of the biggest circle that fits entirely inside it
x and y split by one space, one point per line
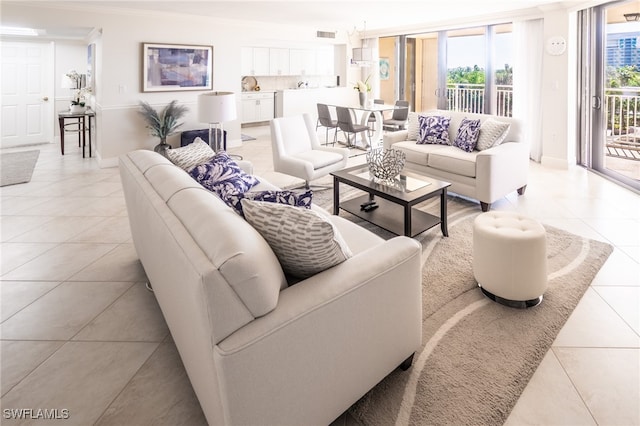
162 147
363 98
77 109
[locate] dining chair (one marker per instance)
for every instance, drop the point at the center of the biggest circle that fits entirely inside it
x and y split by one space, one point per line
325 120
371 122
346 124
398 120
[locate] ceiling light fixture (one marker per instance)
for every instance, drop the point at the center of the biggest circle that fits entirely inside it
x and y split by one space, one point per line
18 31
632 17
363 56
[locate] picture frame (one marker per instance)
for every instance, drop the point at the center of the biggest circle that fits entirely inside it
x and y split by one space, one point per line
384 68
176 67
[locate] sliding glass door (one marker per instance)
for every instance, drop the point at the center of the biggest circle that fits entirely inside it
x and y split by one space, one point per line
464 70
610 78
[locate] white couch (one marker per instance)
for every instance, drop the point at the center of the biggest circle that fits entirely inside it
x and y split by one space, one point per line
485 175
258 351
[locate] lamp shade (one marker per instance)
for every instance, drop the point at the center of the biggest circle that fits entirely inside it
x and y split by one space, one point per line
216 107
67 83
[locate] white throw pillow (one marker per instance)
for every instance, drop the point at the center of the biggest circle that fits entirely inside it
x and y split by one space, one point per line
413 127
304 241
189 156
492 133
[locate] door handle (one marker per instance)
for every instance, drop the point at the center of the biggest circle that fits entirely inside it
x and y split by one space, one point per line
596 102
46 98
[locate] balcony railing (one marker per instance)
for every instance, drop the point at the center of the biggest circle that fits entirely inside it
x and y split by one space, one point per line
621 106
470 98
622 112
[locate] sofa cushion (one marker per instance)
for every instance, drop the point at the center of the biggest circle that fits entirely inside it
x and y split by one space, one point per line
191 155
492 133
467 135
223 176
304 241
417 153
292 198
434 129
454 160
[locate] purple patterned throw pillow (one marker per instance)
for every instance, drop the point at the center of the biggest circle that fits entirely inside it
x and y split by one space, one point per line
223 176
433 129
467 136
292 198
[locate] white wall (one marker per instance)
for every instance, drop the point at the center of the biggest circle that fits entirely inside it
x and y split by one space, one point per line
119 61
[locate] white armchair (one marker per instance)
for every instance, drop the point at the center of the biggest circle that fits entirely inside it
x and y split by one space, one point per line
296 150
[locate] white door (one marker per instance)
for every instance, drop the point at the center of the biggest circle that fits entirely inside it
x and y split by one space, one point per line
27 93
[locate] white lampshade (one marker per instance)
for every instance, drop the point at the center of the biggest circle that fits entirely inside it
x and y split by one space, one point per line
67 83
216 107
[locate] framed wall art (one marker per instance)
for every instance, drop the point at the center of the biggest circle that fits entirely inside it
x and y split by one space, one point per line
384 68
176 67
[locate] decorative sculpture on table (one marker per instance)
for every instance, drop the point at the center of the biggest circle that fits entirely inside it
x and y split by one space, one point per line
163 124
385 164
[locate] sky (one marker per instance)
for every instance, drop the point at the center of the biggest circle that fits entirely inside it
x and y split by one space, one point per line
469 51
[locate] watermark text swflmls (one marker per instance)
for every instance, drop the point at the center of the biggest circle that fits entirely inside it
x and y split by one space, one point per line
35 413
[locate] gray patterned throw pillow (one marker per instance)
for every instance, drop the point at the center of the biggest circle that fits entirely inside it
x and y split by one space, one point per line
467 136
492 133
433 129
191 155
304 241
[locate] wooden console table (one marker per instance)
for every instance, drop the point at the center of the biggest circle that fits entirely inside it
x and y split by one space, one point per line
79 118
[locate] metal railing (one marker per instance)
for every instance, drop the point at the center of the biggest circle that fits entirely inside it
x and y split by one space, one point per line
471 98
622 114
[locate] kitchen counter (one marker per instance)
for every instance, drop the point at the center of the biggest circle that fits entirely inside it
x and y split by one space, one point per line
304 100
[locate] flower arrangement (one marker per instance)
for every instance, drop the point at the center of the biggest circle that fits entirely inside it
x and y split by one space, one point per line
363 86
80 93
79 97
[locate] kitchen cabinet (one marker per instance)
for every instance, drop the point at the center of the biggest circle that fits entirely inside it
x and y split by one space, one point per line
278 61
257 107
255 60
302 62
325 61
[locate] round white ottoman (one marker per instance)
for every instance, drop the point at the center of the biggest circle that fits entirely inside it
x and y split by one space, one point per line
510 258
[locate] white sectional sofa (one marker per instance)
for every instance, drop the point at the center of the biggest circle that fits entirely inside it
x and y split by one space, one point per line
486 175
256 349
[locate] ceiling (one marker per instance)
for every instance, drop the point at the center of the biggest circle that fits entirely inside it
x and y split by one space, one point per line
376 16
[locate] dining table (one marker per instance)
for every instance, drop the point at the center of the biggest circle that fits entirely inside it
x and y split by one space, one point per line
364 112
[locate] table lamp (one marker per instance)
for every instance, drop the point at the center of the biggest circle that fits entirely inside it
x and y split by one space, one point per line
215 108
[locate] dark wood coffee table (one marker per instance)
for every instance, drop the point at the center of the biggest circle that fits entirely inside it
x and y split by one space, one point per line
395 200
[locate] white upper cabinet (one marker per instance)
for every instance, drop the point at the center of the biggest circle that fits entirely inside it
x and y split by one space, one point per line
302 61
255 61
275 61
325 61
279 61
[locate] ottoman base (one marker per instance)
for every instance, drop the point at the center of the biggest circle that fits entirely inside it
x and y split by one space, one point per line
519 304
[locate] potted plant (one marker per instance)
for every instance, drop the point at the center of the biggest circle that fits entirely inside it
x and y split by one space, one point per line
163 124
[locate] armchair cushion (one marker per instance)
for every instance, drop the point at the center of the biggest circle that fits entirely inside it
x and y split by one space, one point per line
433 129
223 176
319 158
492 133
304 241
191 155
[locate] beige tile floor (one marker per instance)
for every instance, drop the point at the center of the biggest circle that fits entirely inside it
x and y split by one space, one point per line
80 332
